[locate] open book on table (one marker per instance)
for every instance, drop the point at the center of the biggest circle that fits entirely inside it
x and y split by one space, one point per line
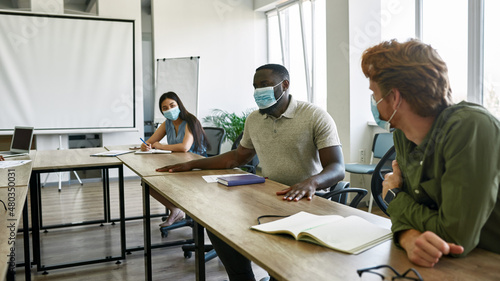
351 234
153 151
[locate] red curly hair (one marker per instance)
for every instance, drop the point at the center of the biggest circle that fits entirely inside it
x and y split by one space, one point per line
415 69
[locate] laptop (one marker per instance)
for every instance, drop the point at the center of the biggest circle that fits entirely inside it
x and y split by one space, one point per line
21 142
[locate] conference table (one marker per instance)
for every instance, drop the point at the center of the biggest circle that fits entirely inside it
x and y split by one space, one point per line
13 192
228 212
48 161
145 165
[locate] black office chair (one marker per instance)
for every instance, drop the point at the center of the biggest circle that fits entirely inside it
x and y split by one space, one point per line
381 144
339 192
251 166
215 137
383 167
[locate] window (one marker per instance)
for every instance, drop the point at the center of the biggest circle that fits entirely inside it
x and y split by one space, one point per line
455 29
448 35
397 19
297 39
491 79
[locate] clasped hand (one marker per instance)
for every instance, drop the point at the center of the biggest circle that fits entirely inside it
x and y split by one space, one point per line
392 180
425 249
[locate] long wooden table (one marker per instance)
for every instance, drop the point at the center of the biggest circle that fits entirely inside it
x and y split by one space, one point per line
73 160
13 192
229 212
145 165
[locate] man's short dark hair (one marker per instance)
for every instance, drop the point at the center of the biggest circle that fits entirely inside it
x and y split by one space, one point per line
277 69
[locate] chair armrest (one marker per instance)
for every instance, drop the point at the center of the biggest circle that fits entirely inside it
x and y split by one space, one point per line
338 193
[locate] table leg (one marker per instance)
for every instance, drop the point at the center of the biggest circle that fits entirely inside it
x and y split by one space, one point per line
35 220
105 195
199 245
121 187
26 238
148 268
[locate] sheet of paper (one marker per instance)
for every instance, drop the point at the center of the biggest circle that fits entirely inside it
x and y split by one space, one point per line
13 163
213 178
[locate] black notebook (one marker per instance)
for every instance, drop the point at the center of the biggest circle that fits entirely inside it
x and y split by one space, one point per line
240 179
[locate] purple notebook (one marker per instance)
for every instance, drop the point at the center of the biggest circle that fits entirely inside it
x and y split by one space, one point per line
240 179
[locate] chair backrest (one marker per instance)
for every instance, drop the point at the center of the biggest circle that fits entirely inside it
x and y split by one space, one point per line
214 137
250 166
381 144
383 167
339 193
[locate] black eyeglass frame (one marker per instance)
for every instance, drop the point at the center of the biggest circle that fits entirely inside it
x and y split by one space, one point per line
397 274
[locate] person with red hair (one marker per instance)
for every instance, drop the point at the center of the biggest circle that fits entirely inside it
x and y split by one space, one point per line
443 194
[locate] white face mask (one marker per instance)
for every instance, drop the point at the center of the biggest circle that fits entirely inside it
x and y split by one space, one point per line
264 97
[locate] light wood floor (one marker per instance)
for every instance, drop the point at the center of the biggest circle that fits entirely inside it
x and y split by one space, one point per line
79 203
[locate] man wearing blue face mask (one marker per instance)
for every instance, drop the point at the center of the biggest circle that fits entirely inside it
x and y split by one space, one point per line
297 145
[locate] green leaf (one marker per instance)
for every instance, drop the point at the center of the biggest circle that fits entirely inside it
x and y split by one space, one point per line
231 122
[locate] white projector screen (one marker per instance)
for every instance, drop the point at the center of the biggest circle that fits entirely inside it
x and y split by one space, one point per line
63 74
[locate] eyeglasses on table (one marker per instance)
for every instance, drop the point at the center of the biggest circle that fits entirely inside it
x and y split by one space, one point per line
373 273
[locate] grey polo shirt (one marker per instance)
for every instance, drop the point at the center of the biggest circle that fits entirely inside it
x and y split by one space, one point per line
288 146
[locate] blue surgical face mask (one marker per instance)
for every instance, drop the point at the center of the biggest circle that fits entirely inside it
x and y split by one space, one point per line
264 97
386 125
172 114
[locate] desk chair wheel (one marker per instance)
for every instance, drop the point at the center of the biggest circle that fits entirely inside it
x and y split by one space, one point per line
187 254
164 232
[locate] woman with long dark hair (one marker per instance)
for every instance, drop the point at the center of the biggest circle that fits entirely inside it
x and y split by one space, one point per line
184 133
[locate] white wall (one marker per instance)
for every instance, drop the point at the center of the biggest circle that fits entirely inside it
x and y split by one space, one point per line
352 26
230 39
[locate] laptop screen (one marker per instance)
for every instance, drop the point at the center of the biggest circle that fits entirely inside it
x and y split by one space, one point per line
22 139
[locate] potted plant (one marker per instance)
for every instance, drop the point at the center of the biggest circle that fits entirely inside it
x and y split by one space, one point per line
231 122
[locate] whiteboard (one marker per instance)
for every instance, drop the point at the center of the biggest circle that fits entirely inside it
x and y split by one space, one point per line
179 75
66 74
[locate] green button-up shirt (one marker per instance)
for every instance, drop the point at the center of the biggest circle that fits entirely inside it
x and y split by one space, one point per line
451 180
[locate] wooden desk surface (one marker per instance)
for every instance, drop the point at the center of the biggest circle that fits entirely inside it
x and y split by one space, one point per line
229 212
145 165
71 158
9 223
22 173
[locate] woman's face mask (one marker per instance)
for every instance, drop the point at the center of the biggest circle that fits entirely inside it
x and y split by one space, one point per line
264 97
172 114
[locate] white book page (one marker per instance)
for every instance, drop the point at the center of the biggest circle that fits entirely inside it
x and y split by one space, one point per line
351 234
213 178
296 223
12 163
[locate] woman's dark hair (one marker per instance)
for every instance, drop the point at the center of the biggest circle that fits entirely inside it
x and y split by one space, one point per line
200 138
